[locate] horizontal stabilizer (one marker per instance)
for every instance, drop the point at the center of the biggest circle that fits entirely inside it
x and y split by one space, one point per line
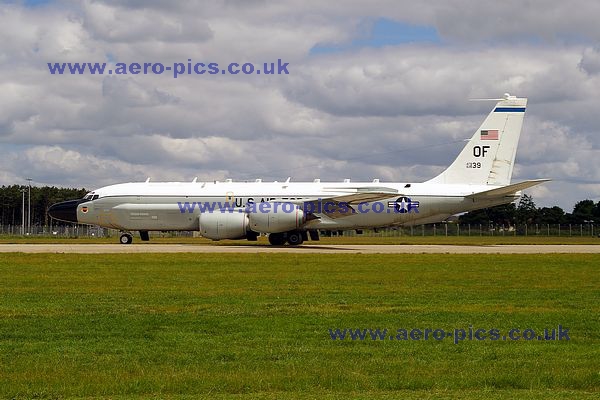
507 190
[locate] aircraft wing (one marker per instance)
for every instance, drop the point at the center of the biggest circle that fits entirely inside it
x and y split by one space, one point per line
360 197
331 206
507 190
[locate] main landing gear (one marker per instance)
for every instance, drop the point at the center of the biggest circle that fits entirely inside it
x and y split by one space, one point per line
277 239
293 238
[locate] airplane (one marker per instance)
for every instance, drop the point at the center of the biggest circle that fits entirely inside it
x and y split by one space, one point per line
291 212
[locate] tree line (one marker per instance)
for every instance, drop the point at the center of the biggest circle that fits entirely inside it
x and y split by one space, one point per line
525 212
11 202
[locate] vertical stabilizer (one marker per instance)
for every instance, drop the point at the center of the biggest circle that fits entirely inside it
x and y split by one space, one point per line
489 157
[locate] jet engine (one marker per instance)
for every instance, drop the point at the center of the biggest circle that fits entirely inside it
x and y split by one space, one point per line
217 226
275 217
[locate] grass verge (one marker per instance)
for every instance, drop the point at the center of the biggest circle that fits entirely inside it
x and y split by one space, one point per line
256 325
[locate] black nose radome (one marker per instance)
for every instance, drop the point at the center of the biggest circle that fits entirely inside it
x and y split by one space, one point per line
65 211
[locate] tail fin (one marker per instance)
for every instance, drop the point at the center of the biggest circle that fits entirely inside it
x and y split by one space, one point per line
489 157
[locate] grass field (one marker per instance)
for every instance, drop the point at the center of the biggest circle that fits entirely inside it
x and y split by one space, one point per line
256 326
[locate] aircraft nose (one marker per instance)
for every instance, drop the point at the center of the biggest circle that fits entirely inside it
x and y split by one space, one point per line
65 211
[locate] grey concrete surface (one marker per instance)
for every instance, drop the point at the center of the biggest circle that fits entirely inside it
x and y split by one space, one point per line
367 249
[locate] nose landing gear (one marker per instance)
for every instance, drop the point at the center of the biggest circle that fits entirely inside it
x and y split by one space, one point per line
126 238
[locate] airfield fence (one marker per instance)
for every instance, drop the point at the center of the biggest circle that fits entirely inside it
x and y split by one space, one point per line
455 229
72 231
442 229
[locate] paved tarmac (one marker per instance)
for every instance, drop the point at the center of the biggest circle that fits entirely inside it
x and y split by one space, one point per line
348 249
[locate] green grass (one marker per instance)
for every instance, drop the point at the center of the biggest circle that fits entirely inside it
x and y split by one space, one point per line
256 325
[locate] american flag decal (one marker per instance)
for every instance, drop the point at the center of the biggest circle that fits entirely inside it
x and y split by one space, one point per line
489 135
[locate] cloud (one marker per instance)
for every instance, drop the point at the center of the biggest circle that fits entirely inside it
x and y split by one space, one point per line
397 111
517 21
127 92
122 24
590 61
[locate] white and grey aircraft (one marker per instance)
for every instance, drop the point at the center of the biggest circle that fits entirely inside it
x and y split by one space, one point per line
291 212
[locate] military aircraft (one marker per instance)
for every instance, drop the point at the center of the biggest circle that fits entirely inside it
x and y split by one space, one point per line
291 212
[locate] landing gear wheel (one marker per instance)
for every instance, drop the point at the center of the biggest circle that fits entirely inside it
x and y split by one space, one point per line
126 238
277 239
251 236
295 238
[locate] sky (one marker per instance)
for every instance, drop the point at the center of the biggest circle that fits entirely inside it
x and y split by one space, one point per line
375 89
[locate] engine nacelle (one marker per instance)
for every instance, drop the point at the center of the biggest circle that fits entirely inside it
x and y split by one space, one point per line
217 225
275 217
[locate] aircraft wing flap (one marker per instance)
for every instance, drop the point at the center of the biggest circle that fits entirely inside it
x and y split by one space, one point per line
507 190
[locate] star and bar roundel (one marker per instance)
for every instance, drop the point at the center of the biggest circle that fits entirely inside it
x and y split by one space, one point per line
404 205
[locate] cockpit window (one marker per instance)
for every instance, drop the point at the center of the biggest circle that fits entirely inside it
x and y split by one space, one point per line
88 196
95 196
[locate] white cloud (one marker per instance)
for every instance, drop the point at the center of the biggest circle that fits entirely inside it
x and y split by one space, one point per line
395 112
122 24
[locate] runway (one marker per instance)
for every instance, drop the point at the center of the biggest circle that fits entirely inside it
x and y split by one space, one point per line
306 249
